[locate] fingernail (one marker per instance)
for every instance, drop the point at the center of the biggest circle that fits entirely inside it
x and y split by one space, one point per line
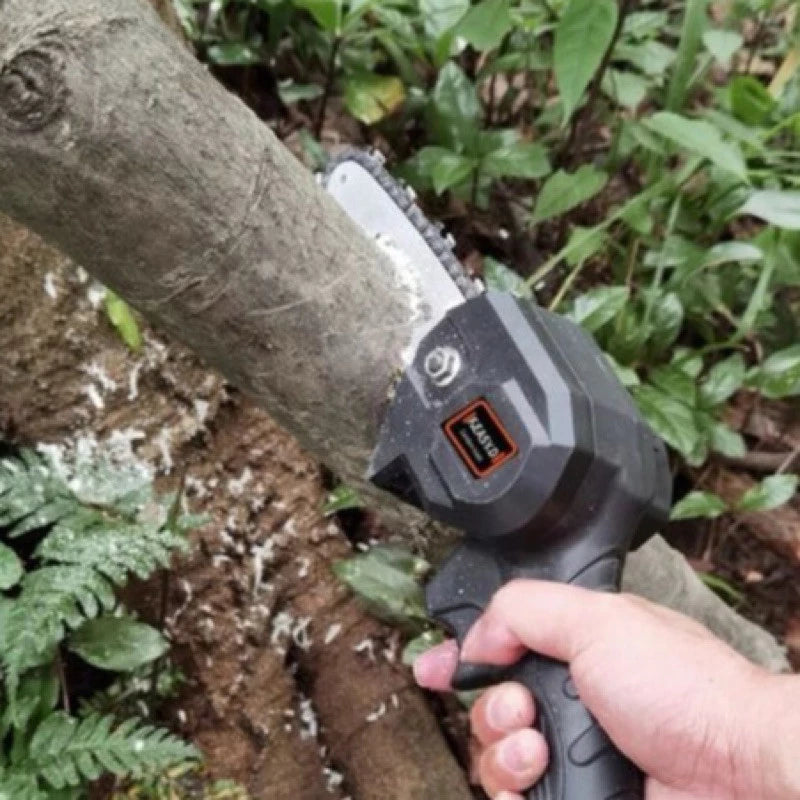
504 709
435 665
518 753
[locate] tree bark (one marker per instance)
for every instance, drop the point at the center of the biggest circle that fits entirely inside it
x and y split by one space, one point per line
118 147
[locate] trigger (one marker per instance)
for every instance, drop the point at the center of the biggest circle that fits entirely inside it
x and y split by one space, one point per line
457 596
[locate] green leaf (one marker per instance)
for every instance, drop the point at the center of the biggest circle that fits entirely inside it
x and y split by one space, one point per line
779 375
584 243
732 252
666 322
728 442
750 101
234 54
701 138
448 169
771 493
599 306
690 361
421 644
671 419
582 38
637 216
501 278
675 382
291 92
723 381
11 569
652 57
695 22
625 88
371 98
486 24
454 110
526 160
121 317
627 377
696 505
118 644
726 590
66 751
644 24
778 208
723 45
314 154
327 13
564 191
53 600
387 581
441 16
342 498
759 301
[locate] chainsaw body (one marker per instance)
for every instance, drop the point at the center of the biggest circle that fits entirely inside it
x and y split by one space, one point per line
510 424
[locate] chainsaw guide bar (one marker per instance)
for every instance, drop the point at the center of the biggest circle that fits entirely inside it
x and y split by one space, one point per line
438 243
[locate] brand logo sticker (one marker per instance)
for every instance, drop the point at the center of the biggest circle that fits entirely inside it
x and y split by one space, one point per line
480 438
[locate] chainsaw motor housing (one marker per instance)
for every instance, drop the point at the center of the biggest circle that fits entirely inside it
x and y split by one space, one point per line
510 423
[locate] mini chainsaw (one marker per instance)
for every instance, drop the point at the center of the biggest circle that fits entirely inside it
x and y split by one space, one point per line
509 423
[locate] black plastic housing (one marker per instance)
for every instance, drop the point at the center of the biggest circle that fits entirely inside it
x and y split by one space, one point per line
556 477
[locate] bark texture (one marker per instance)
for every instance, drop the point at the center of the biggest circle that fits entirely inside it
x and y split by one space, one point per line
119 148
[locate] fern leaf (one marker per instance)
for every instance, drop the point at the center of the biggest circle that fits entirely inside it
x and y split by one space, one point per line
53 600
65 752
16 785
114 550
27 487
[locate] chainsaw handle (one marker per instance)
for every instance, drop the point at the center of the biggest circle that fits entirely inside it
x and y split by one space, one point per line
584 763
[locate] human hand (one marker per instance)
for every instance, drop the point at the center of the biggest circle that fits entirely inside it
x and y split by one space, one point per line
696 717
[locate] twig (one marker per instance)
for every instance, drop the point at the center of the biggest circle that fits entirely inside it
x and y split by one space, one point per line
330 78
62 682
789 461
751 57
766 462
492 105
166 582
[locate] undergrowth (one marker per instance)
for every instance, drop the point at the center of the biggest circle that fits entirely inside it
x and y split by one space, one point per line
631 163
74 533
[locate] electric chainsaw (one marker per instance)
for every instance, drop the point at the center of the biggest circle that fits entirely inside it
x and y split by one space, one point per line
510 424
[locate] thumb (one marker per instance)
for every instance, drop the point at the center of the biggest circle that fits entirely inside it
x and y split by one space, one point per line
554 619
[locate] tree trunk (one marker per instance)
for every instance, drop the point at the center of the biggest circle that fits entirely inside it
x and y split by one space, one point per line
118 147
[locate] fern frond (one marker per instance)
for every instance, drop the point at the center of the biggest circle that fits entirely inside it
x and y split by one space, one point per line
66 752
31 494
114 550
15 785
53 600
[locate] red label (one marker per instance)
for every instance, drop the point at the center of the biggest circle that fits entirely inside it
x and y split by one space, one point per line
480 438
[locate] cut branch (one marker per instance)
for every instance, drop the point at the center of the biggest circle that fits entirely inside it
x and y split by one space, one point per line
119 148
